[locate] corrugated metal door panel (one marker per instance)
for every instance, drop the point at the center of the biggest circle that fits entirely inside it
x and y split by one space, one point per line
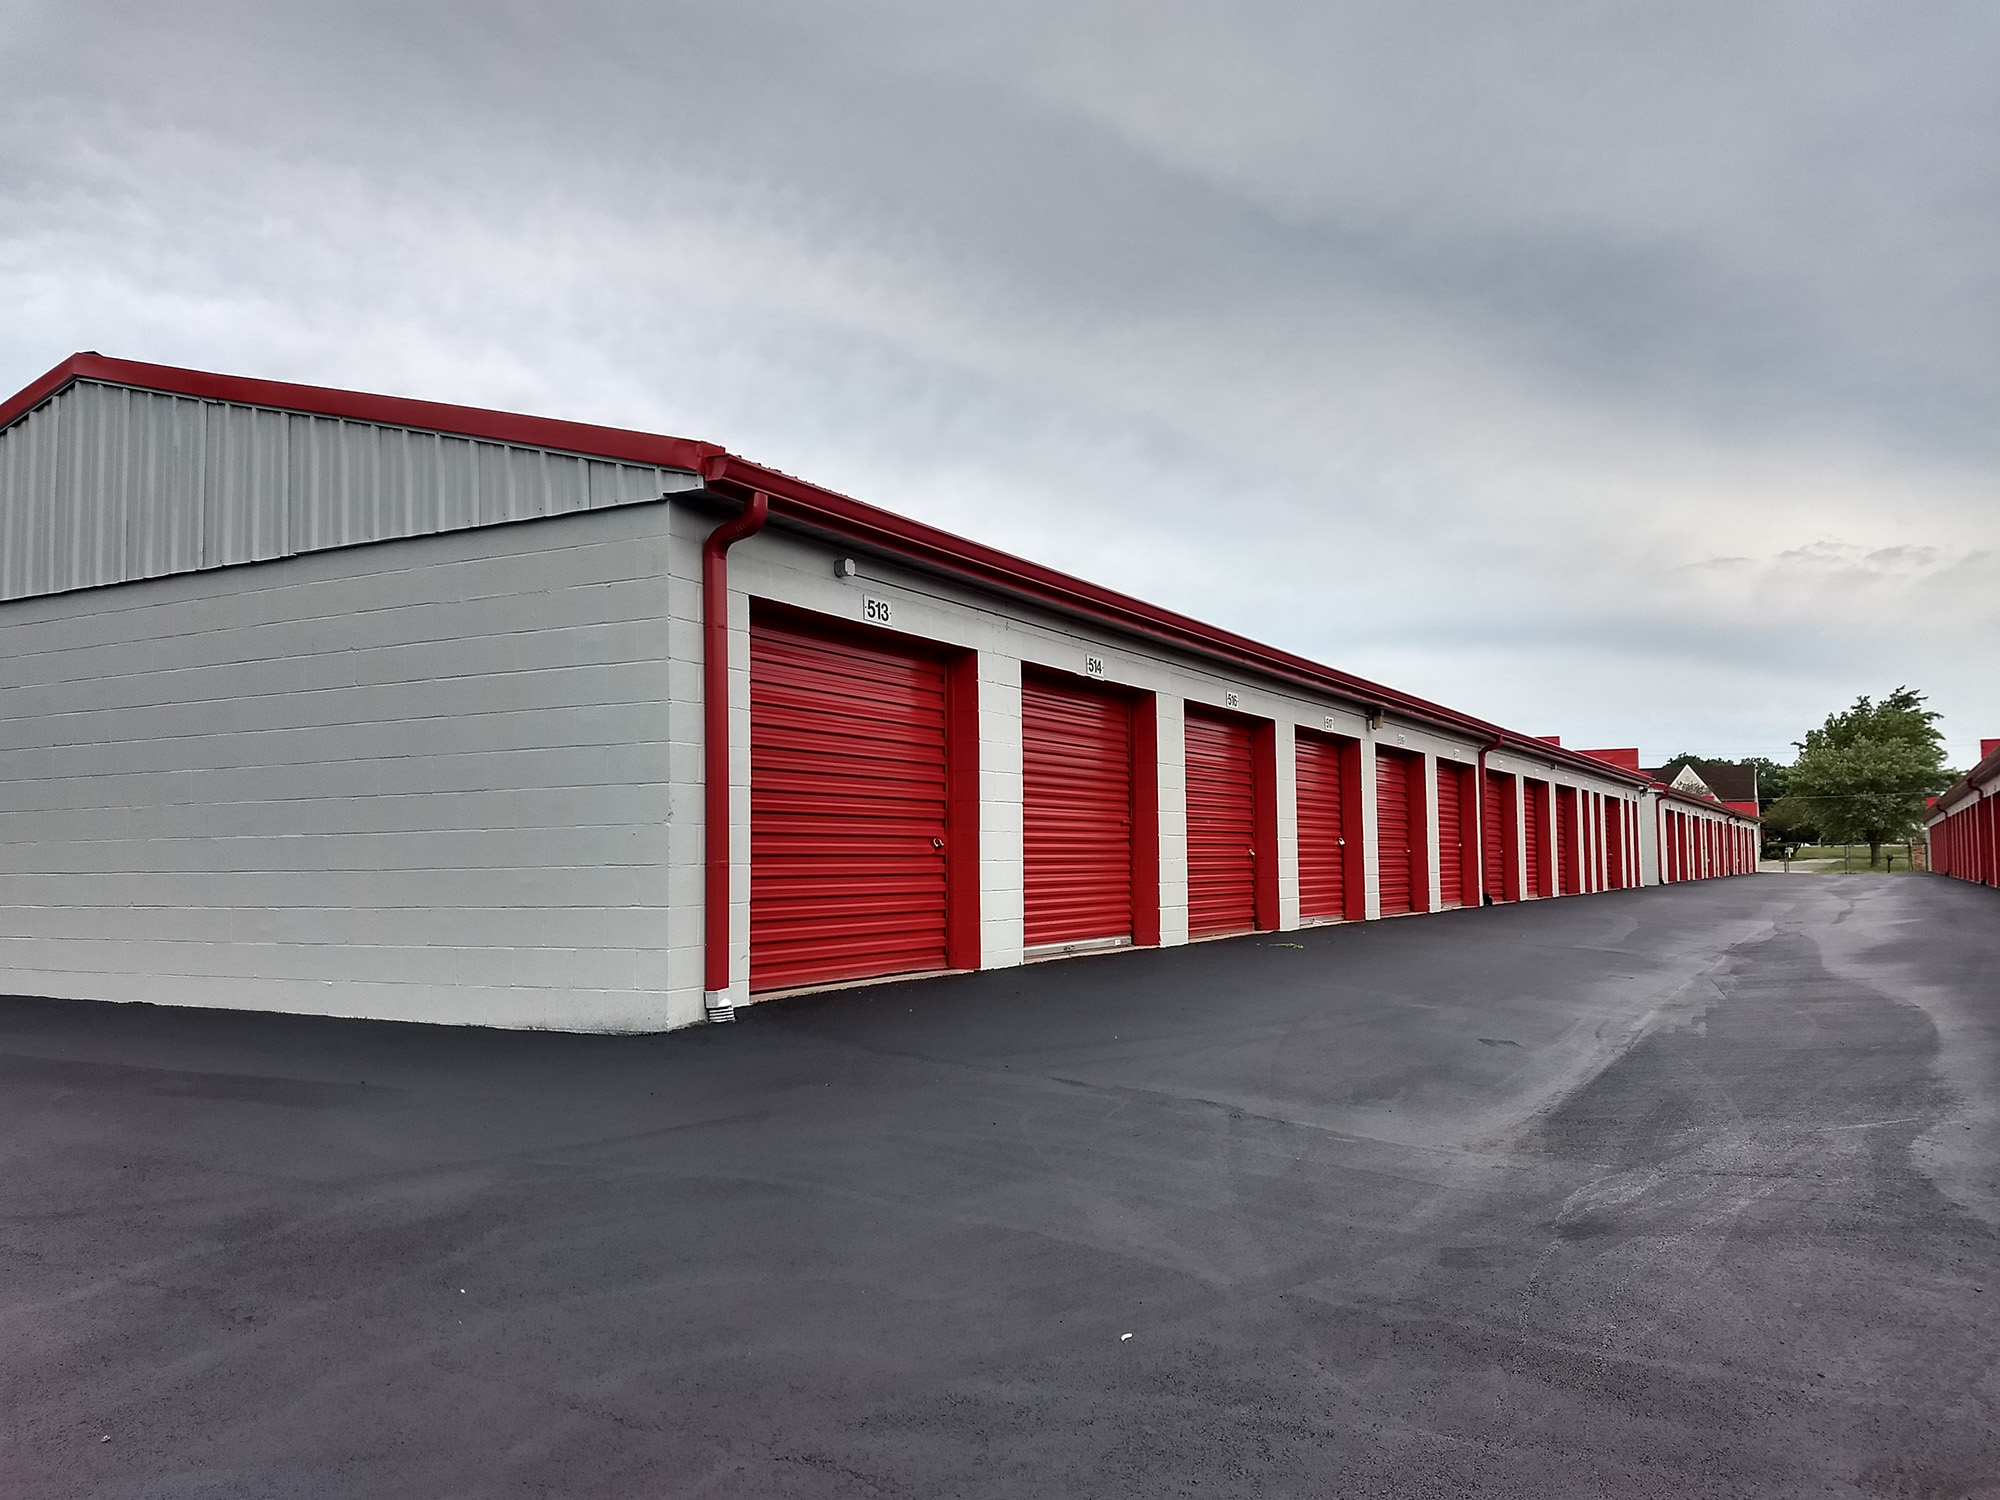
1534 829
1221 826
1322 829
1076 764
1451 834
1614 845
1493 834
1567 883
1393 833
847 810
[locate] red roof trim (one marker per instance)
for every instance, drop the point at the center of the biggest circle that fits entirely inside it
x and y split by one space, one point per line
1713 805
807 503
394 411
803 502
1978 779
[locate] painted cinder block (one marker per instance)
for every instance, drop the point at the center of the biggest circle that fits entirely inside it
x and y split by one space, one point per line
361 783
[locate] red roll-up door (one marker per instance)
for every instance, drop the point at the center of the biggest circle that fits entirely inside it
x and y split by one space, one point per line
847 810
1395 838
1322 829
1567 883
1076 766
1222 826
1451 834
1534 831
1493 834
1614 844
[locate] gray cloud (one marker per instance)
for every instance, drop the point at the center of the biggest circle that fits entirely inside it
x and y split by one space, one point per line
1620 371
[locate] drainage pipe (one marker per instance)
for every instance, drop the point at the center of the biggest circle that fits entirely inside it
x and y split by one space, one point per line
715 751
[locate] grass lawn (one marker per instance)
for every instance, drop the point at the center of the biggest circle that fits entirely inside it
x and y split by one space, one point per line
1837 857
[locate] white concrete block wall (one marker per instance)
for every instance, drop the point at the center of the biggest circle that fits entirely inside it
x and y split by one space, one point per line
1002 832
1170 733
1434 897
459 777
1286 787
686 875
424 779
1371 843
1651 867
1518 855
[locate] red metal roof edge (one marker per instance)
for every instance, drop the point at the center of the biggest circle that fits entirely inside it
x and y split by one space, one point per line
1712 804
796 497
827 509
1987 770
395 411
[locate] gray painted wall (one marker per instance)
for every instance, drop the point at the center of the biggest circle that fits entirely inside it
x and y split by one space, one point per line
105 484
425 779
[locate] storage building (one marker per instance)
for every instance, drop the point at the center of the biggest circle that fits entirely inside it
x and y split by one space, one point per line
325 702
1963 826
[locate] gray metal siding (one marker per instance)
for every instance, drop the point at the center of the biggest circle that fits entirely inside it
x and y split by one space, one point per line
426 780
107 484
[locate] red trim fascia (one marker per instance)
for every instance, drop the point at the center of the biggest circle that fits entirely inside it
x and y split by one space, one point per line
809 505
36 392
394 411
800 501
1704 803
1977 779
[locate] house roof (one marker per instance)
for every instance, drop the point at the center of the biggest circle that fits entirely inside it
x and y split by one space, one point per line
1730 781
805 506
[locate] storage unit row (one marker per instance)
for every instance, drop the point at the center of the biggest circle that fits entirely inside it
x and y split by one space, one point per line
1963 829
328 702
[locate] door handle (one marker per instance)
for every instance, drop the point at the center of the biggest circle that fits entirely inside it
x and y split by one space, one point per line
937 843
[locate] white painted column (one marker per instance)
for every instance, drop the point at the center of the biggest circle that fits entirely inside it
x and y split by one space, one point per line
686 874
1286 786
1649 839
1433 831
1371 853
1519 853
1170 732
1002 866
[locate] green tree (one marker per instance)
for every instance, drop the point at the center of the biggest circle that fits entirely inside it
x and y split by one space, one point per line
1773 780
1864 774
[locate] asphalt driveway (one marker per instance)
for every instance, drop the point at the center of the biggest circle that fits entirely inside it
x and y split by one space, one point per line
1690 1192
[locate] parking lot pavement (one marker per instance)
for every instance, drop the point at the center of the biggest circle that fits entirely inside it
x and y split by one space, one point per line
1688 1191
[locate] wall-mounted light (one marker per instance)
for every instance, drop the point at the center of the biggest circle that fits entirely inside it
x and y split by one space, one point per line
847 567
1374 718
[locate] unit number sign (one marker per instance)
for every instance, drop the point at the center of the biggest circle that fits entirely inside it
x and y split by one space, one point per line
875 611
1093 666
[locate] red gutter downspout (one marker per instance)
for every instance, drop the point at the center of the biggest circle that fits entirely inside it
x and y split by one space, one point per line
1485 896
715 751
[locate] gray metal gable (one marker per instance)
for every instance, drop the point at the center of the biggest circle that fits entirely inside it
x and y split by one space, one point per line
107 483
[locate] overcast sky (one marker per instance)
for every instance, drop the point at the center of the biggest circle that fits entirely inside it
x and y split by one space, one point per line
1621 371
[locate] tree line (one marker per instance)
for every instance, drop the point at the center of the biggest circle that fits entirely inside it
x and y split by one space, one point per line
1862 777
